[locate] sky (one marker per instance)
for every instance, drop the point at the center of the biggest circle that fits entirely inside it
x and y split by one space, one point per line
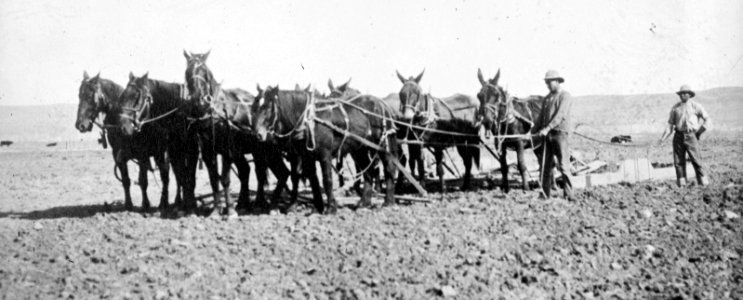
600 47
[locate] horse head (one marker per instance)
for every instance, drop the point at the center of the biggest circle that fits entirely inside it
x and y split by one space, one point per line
202 87
92 102
493 101
136 101
343 90
265 112
411 96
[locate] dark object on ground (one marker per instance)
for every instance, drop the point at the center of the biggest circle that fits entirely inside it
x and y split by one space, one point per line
51 144
621 139
6 143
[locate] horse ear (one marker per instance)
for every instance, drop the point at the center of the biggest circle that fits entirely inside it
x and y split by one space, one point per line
296 87
186 55
131 76
330 84
206 55
420 76
399 76
144 77
85 76
258 88
96 77
344 86
308 88
479 76
494 81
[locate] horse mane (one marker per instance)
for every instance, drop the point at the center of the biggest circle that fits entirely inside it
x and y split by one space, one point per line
165 95
112 90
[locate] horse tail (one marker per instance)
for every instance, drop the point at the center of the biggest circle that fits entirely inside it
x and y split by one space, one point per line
116 173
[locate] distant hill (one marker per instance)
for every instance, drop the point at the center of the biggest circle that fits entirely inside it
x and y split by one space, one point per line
604 113
646 113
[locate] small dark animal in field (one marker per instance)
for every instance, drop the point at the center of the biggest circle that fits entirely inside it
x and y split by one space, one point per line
6 143
621 139
51 144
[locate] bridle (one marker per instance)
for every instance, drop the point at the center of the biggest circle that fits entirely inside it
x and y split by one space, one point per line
205 97
308 110
145 100
417 109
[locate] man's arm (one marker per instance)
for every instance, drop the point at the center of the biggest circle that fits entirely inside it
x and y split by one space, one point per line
702 114
669 129
667 133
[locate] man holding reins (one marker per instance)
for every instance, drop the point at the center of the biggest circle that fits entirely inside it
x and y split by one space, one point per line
687 121
554 126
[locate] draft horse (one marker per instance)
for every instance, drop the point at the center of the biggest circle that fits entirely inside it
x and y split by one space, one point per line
439 124
158 104
510 120
223 120
100 96
319 132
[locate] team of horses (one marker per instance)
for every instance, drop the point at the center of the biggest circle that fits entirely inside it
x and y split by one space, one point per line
179 123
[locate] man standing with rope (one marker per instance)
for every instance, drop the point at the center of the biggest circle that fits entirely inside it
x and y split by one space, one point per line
688 120
554 127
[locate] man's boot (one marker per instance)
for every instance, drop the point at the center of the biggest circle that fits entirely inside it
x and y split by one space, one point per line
681 182
703 181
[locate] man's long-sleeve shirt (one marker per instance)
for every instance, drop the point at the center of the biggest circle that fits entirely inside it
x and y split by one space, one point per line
556 112
685 117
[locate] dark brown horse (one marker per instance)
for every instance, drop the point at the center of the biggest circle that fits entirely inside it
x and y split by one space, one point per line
223 119
505 116
99 96
158 104
321 131
440 124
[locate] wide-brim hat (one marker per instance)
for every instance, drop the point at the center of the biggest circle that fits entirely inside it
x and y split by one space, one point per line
553 75
686 89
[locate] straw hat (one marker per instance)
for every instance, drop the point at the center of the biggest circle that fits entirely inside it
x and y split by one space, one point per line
553 75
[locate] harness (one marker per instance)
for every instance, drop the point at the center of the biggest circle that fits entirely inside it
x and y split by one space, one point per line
138 113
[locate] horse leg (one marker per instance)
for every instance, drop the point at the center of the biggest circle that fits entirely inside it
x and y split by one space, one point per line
191 160
439 154
294 164
338 167
362 162
416 159
310 171
124 169
243 173
163 166
504 169
389 169
143 167
210 160
522 165
326 166
276 163
466 153
225 180
403 161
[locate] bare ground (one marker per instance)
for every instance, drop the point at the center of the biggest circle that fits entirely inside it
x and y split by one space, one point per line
647 240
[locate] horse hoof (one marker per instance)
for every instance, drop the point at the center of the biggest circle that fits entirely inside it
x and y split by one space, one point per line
128 207
331 210
388 203
274 212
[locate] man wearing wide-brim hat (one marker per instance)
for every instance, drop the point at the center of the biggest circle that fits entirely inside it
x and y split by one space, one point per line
687 121
554 125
